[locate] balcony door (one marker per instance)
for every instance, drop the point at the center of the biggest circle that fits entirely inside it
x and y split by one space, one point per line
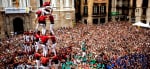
18 25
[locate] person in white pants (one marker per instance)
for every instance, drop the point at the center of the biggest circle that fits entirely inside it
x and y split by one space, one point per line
43 40
41 12
37 56
45 49
42 23
53 39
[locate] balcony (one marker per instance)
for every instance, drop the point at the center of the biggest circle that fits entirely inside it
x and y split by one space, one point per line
100 15
13 10
118 6
100 1
85 14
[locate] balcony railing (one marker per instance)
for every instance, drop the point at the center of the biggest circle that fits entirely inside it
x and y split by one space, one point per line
85 14
99 14
10 10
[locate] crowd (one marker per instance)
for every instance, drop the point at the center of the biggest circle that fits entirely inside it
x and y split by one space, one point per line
113 45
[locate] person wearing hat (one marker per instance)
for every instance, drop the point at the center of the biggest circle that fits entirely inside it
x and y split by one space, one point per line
48 8
43 11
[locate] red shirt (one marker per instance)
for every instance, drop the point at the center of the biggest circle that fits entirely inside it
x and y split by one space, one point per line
44 60
42 18
51 18
37 56
55 58
44 39
37 36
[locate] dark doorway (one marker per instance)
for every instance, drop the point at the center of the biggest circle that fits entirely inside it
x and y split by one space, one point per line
77 10
18 25
102 20
95 21
85 21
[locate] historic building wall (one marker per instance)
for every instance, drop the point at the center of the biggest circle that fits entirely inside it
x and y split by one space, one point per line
63 11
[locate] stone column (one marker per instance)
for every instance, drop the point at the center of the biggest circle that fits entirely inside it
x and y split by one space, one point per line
9 21
130 10
148 14
10 3
28 3
6 3
90 11
72 4
61 5
138 11
1 26
106 18
3 1
82 7
114 3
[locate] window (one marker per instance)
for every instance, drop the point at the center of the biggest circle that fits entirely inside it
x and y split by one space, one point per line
120 3
54 3
15 3
85 2
144 11
41 3
85 12
68 16
1 3
125 3
27 3
95 10
85 21
95 21
145 3
134 3
102 9
66 3
23 3
102 20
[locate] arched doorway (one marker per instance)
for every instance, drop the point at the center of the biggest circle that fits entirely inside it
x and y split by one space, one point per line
18 25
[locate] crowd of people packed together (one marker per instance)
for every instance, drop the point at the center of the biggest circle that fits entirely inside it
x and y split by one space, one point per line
113 45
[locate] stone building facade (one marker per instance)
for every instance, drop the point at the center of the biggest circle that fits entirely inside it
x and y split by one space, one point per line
131 10
19 15
102 11
94 11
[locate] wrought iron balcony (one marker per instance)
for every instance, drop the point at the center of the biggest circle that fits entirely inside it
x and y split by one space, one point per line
13 10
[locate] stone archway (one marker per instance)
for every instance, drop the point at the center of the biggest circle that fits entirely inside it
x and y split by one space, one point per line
18 25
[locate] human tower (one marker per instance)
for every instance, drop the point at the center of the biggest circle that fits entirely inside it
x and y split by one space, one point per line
43 40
